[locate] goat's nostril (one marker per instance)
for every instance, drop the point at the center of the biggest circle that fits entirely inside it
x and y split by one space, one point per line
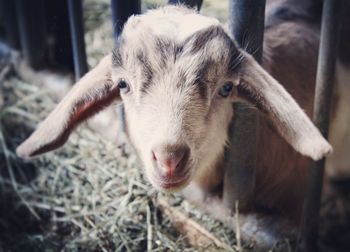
171 160
154 156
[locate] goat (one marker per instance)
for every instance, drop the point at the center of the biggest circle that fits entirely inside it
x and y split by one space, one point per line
177 74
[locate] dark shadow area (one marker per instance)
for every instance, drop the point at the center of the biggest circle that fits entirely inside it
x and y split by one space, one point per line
335 217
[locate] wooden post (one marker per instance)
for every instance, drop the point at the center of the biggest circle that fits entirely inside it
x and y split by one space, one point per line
247 26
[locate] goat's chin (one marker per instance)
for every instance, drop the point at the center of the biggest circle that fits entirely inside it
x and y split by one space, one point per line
169 186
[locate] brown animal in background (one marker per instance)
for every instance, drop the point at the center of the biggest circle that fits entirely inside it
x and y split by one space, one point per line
178 73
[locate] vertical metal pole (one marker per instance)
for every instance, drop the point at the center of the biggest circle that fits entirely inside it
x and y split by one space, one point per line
75 13
322 105
121 11
190 3
60 50
247 27
32 29
8 12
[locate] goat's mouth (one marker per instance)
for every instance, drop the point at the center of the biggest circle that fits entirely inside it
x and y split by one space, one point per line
171 184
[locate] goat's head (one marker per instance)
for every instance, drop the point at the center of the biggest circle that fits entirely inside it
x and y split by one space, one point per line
177 74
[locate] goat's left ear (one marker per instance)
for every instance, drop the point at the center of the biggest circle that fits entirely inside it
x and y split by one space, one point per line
88 96
260 88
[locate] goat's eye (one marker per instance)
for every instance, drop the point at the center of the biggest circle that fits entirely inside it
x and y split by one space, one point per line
123 86
226 89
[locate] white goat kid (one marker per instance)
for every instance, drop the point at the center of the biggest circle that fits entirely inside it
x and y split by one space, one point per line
178 73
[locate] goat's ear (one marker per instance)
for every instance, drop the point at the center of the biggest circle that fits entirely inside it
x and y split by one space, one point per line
261 89
88 96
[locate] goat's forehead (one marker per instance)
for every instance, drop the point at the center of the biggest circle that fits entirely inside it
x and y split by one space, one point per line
174 22
176 40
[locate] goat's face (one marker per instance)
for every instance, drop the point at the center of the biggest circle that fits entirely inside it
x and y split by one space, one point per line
176 73
177 95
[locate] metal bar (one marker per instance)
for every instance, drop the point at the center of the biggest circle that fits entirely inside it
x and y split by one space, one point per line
247 18
61 50
32 30
8 12
247 27
322 105
190 3
121 11
75 13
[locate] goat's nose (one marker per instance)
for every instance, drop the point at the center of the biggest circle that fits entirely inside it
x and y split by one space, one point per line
171 159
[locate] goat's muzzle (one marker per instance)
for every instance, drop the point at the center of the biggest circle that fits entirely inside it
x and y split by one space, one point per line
170 165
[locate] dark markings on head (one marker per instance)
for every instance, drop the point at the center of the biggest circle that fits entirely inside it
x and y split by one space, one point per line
147 71
235 58
116 54
168 50
116 57
178 49
202 78
181 76
232 56
201 38
163 46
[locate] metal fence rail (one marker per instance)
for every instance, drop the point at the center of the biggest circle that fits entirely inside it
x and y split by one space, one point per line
32 31
121 11
322 106
247 27
75 11
8 13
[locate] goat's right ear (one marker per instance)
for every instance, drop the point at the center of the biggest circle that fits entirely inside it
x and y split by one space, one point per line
88 96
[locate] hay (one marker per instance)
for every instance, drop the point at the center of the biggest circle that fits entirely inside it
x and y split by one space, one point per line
89 195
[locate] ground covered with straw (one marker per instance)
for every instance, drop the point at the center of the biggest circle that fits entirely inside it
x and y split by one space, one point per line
90 195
